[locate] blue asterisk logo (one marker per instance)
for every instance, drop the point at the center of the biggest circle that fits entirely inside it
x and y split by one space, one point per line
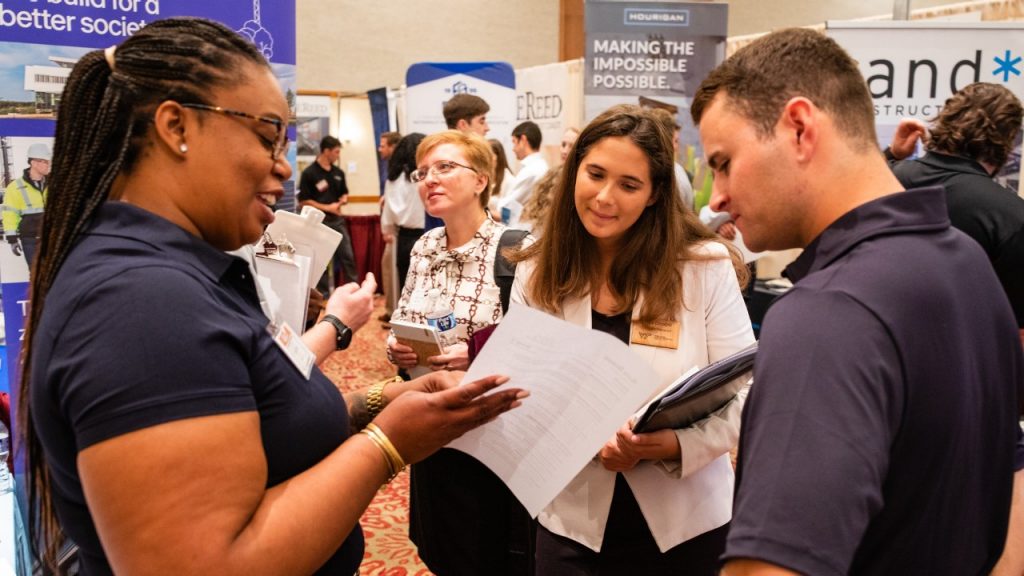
1007 66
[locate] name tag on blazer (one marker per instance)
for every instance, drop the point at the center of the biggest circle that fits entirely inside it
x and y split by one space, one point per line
658 334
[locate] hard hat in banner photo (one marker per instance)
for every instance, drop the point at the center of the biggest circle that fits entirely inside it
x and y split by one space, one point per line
39 151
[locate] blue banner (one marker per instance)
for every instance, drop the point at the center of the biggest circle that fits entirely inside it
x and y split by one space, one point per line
100 23
500 73
40 41
15 299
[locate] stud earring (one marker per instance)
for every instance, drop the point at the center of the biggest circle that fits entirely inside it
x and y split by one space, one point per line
183 147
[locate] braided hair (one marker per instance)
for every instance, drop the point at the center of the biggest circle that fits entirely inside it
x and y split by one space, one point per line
102 125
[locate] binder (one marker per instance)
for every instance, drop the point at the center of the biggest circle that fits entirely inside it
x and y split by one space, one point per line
696 395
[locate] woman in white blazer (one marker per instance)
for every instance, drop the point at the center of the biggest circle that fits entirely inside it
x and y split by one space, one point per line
619 254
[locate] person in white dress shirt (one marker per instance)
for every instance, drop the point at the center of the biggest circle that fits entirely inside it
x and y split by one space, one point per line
526 139
402 218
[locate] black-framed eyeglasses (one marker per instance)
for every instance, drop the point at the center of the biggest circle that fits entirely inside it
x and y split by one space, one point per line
440 168
276 147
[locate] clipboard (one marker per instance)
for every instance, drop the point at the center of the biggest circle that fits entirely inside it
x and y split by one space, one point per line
306 229
285 283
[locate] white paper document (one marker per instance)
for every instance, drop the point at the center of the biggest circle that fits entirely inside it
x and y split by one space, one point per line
583 386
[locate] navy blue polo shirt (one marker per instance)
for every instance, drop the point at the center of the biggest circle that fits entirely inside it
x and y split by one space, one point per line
148 324
880 432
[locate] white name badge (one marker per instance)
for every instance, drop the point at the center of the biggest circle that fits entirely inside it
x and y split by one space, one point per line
294 348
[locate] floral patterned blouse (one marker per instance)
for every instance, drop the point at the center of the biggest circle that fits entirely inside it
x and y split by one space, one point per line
464 275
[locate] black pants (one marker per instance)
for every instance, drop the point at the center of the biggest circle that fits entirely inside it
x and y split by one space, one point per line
407 238
28 244
628 547
343 256
465 521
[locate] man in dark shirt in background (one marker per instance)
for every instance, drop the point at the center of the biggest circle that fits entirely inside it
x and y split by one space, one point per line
880 434
322 186
970 141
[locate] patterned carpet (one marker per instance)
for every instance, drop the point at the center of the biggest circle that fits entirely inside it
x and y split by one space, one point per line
386 522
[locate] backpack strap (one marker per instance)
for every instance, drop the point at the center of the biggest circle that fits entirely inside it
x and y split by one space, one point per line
505 271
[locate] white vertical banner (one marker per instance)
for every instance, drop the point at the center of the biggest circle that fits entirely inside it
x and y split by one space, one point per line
912 67
547 95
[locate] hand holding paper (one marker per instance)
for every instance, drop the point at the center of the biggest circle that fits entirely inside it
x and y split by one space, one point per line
614 457
580 395
419 423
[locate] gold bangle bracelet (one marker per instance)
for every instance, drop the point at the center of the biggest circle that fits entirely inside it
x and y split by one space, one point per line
375 396
384 452
395 461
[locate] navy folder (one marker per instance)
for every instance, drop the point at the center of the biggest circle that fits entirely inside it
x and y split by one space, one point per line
694 397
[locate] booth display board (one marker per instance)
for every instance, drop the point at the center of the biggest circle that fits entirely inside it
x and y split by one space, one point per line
312 123
654 54
430 84
912 67
551 95
41 41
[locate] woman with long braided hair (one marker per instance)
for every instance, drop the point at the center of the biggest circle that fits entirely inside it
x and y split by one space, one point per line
165 430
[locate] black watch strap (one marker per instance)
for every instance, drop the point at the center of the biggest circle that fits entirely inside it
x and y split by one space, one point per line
343 333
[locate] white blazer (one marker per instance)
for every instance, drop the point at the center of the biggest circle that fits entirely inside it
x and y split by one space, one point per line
679 499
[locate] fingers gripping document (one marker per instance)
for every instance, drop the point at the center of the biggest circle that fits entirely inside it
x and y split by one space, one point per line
583 385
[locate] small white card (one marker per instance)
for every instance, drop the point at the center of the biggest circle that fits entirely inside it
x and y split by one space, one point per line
294 348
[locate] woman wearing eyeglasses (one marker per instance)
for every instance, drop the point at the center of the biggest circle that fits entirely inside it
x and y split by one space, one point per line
168 428
461 514
454 178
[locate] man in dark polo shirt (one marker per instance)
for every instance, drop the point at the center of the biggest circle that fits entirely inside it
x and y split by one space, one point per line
880 434
970 141
322 186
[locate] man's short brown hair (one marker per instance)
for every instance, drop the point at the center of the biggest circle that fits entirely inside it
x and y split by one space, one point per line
979 122
392 138
761 77
464 107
